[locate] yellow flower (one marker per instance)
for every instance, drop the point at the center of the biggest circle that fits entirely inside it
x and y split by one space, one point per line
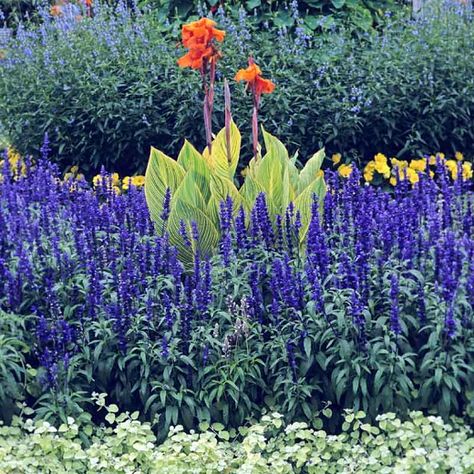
441 156
393 181
432 174
400 164
452 166
369 171
467 170
126 183
336 158
74 169
345 170
412 176
432 160
418 165
459 156
97 180
115 179
138 181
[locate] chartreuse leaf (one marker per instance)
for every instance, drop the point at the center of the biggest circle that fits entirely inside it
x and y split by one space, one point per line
270 174
208 234
221 188
304 202
311 170
192 161
188 191
188 205
250 190
221 163
162 172
275 147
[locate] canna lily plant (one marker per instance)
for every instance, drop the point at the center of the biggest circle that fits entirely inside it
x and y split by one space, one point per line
185 194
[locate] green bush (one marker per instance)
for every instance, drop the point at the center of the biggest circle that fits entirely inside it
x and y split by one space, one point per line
122 444
108 88
360 14
15 11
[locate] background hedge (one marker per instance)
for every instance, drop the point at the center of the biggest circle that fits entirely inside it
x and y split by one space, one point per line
106 89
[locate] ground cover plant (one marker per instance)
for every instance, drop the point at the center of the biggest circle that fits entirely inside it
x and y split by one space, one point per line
106 89
123 444
376 313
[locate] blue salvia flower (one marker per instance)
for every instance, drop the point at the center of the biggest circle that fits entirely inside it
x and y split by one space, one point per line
165 213
45 149
184 233
241 230
449 322
164 348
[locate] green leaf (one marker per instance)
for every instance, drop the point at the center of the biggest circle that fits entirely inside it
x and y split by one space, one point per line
220 162
250 190
310 171
305 200
162 172
192 161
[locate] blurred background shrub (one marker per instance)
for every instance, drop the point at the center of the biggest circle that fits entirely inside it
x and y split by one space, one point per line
107 88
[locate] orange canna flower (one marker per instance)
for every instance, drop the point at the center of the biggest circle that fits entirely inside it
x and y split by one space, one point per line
56 10
201 32
194 57
252 76
198 37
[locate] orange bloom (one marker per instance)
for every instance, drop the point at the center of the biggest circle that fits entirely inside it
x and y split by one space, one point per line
198 37
88 3
194 58
56 10
252 76
200 33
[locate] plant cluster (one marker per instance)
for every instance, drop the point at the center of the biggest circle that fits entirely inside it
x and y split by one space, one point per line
310 16
106 88
123 444
374 313
382 171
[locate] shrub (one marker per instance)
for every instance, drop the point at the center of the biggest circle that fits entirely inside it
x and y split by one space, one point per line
106 89
359 14
375 314
123 445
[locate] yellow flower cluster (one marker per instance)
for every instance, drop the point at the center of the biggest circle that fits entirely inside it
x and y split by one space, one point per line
395 170
16 162
120 185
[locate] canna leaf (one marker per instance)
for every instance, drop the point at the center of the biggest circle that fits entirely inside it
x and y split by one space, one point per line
162 172
220 162
250 190
221 188
310 171
208 234
305 200
192 161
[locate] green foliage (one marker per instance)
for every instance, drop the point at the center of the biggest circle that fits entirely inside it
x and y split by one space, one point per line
123 444
200 182
105 102
361 15
16 11
13 351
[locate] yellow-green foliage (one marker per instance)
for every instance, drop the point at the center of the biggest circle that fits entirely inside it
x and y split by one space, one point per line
127 446
199 182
